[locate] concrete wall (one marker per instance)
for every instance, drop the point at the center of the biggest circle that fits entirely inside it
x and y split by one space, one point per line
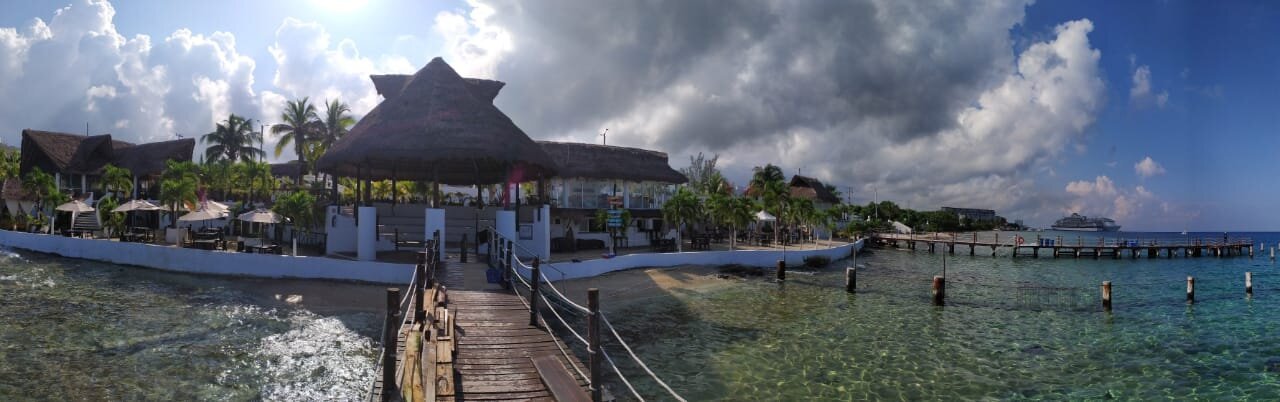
210 262
752 258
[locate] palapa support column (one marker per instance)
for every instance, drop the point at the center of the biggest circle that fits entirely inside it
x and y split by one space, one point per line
782 270
389 338
435 236
1106 296
939 290
533 292
593 344
850 279
1191 290
1248 283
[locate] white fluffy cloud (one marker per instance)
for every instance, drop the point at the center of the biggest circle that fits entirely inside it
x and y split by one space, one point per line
85 71
1148 167
926 104
310 64
1140 93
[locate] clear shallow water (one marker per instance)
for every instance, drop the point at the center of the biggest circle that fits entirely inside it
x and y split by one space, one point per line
1013 329
75 329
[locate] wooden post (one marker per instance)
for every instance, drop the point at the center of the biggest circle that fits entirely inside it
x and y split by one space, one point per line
850 279
782 270
389 338
420 312
1106 296
463 249
1191 290
533 293
1248 283
939 290
438 245
593 343
509 258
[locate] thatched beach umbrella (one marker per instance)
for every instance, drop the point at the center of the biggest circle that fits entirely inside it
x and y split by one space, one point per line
439 127
75 206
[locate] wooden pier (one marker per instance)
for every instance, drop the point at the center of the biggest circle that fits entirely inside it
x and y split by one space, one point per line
482 341
1068 246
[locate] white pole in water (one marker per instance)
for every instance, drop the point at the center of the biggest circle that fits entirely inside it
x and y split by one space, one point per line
295 247
1273 253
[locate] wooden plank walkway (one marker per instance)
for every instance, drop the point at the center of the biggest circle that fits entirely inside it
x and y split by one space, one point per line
496 344
1059 246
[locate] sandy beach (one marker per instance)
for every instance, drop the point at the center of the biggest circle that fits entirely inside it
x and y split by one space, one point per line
624 288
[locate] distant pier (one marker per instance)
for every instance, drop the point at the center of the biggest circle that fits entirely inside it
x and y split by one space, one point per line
1066 246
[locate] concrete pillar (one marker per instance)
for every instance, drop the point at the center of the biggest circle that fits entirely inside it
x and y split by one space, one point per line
434 220
505 223
367 234
543 229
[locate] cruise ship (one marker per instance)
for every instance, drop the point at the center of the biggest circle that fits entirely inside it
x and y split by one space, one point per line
1079 223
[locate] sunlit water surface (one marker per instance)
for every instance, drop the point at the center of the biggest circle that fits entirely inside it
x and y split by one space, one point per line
1012 329
75 329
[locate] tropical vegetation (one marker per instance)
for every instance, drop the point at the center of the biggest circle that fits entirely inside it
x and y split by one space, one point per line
233 140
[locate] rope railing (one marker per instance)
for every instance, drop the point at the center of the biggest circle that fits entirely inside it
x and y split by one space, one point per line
556 302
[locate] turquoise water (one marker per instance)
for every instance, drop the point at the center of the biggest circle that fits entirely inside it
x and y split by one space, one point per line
1012 329
81 330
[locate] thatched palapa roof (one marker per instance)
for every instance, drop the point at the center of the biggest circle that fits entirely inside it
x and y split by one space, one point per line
291 168
611 162
813 189
78 154
436 125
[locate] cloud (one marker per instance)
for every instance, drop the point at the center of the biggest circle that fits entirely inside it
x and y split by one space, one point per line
85 71
1140 93
310 64
930 105
1148 167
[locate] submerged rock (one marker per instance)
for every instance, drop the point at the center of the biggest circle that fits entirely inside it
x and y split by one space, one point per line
1273 365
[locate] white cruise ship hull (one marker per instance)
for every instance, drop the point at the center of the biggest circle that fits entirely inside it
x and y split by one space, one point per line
1086 229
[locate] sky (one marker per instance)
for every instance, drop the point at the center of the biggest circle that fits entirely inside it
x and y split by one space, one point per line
1158 114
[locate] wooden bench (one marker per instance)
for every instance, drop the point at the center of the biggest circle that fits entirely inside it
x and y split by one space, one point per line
558 379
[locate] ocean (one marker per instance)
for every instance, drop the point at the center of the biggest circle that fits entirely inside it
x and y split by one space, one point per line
1024 328
82 330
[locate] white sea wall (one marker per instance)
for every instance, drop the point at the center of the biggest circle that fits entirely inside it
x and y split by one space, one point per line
750 258
179 259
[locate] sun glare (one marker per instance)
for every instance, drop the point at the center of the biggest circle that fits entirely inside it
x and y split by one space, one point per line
340 6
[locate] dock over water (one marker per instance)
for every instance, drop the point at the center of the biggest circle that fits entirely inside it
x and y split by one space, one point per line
510 340
1070 246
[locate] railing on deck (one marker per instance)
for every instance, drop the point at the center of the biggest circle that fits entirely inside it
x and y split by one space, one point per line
543 293
423 317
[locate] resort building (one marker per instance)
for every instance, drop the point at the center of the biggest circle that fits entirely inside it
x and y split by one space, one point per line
972 214
591 177
76 161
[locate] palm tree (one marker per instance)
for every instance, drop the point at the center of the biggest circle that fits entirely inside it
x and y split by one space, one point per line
298 128
681 208
116 179
178 185
233 140
255 175
770 186
336 123
741 212
220 175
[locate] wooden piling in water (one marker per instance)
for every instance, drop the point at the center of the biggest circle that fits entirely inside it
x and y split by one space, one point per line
462 257
850 279
1106 296
390 336
1248 283
782 270
1191 290
939 290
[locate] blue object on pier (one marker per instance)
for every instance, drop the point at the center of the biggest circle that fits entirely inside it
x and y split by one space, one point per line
493 275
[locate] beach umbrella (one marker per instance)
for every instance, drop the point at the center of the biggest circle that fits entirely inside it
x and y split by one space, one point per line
260 215
75 206
216 206
765 217
201 215
137 205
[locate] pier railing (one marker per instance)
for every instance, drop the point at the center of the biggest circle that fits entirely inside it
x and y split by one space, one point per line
1011 239
418 341
529 281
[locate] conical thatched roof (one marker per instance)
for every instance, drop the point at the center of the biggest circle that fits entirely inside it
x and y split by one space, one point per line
437 124
610 162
